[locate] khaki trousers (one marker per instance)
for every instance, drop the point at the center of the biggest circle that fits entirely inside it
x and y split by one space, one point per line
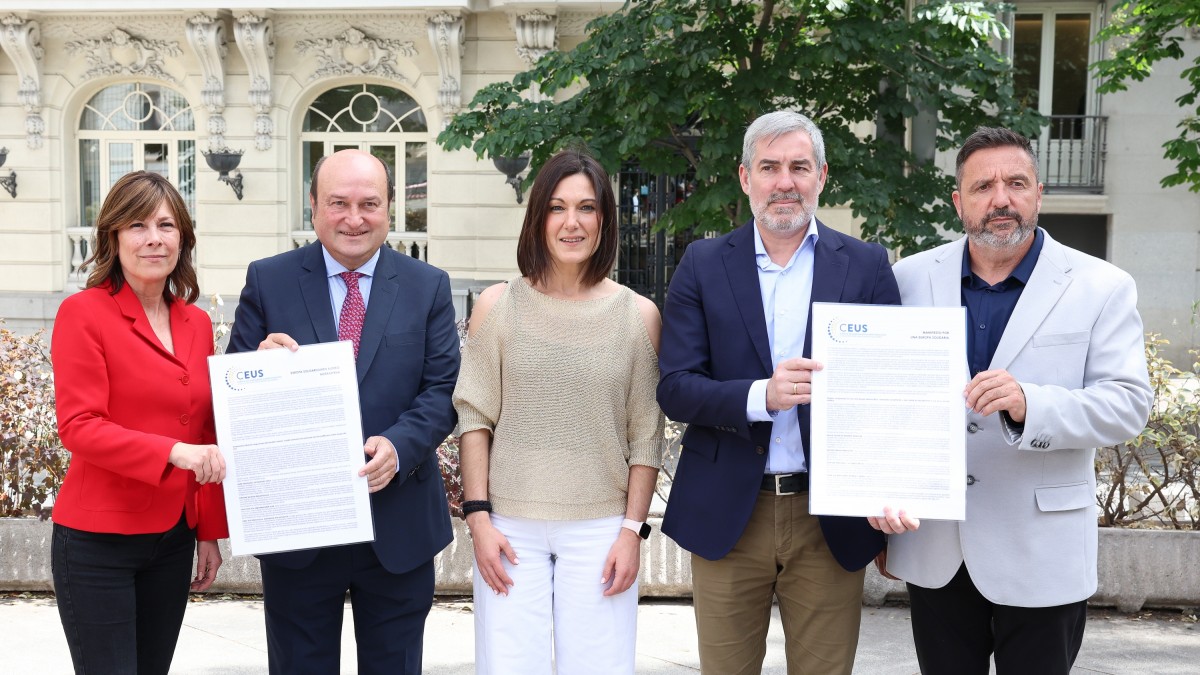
783 554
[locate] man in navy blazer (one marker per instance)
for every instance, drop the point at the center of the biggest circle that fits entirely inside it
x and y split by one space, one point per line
735 368
407 362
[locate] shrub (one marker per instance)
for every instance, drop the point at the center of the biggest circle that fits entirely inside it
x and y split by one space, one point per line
32 459
1154 479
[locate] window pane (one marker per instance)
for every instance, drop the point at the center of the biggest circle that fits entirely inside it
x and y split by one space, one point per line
1072 34
120 162
400 111
416 187
325 109
311 151
102 106
1027 58
157 159
91 120
176 113
89 182
387 155
364 109
187 175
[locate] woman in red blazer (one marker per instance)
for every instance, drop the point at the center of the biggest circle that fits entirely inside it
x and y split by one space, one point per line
135 411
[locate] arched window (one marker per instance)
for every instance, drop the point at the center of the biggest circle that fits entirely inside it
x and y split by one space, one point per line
130 127
385 122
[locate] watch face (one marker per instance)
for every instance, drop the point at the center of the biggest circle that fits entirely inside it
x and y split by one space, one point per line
644 533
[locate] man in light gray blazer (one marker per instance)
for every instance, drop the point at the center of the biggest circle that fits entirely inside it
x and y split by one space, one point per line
1055 348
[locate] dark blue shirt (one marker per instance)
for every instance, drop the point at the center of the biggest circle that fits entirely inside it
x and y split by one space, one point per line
990 307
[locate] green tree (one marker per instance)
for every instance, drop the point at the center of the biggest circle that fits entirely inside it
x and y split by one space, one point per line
672 84
1146 32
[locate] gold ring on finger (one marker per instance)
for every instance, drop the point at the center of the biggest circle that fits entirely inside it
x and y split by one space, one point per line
794 392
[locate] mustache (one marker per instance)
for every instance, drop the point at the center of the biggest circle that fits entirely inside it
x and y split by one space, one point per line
785 196
1004 212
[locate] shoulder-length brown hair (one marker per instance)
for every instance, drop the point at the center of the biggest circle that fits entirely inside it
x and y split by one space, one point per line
135 197
533 253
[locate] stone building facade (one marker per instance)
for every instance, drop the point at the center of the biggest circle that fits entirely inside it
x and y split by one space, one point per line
90 90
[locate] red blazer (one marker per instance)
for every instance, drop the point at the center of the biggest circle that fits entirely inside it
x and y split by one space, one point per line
123 401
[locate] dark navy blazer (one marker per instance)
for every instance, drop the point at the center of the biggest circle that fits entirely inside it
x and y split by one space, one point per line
407 365
714 345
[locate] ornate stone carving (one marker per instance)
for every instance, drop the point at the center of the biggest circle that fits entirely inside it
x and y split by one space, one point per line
354 53
20 40
255 42
448 38
206 35
536 35
119 53
93 25
394 23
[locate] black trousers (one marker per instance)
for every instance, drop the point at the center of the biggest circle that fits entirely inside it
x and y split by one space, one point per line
121 597
956 630
304 609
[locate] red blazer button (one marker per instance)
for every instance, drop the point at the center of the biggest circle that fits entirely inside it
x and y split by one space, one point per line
184 418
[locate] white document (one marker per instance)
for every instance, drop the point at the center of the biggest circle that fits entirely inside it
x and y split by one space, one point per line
888 413
289 426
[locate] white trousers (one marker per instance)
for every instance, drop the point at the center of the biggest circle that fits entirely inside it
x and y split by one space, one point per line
555 613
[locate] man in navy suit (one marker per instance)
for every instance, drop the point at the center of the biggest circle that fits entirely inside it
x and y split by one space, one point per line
407 359
735 368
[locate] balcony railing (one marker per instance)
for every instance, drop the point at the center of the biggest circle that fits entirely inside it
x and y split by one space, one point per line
79 239
1071 153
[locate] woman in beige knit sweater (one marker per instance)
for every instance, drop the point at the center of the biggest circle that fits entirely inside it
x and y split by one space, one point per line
561 438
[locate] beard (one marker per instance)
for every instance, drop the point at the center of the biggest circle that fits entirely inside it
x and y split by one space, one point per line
784 223
980 234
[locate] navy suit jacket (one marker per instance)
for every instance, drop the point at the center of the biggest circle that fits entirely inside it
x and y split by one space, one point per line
407 365
714 347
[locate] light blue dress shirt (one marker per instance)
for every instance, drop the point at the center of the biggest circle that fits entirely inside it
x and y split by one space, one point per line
337 287
786 292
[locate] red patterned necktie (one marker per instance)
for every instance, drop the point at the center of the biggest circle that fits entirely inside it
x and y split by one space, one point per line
350 324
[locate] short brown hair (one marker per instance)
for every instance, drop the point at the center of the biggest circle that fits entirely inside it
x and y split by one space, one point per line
135 197
533 253
986 138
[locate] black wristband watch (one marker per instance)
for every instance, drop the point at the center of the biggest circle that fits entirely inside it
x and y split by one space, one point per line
640 529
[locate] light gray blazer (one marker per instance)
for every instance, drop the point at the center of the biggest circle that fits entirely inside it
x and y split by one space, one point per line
1075 344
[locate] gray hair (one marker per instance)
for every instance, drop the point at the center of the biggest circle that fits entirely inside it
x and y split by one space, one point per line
775 124
986 138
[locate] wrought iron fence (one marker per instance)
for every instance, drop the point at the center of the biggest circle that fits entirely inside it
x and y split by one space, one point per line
647 256
1071 152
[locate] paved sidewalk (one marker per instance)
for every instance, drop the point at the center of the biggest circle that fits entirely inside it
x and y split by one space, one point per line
226 636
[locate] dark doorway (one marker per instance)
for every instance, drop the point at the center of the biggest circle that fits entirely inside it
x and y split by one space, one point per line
1087 233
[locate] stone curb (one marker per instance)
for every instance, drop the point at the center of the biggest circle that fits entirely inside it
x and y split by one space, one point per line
1137 567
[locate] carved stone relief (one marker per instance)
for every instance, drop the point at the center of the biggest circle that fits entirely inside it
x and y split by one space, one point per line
354 53
255 42
95 26
120 53
318 25
20 40
537 35
207 38
448 38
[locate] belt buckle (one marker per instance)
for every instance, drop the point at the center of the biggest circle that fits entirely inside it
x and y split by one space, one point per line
779 485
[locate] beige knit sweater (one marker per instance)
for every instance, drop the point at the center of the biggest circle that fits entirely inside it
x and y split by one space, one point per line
567 390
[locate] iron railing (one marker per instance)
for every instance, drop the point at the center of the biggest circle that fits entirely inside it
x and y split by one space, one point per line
1071 152
647 255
